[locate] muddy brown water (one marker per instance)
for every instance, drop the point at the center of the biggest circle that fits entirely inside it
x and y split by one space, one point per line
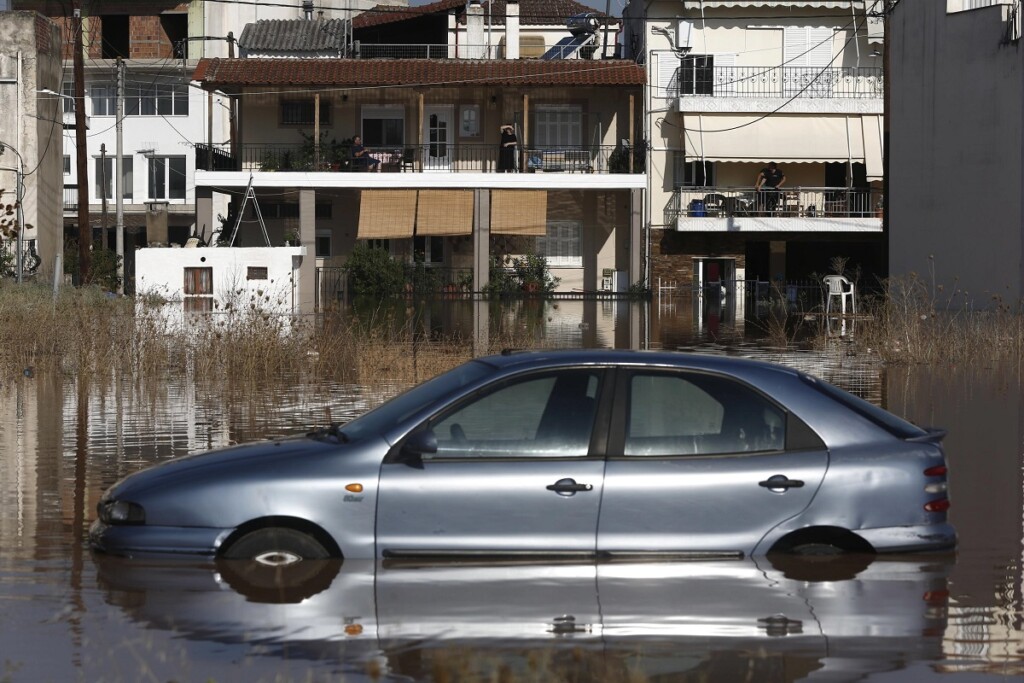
66 614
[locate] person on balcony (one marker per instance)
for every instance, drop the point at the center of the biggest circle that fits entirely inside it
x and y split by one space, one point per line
361 158
507 149
769 181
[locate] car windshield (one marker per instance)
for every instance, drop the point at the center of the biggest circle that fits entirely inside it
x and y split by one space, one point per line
399 408
896 426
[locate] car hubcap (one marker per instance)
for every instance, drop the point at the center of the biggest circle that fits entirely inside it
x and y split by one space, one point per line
277 558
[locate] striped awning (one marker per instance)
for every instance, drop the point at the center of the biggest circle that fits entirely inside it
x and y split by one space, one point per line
519 212
444 212
386 214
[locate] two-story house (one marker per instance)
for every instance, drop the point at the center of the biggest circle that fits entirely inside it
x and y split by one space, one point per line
431 190
735 85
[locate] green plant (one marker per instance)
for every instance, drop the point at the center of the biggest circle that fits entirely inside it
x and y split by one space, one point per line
104 266
372 272
520 274
9 230
270 162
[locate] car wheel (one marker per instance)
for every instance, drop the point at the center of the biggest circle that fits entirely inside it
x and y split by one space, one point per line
289 584
816 550
276 547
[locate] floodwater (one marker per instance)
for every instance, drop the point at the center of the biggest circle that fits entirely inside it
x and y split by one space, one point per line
66 614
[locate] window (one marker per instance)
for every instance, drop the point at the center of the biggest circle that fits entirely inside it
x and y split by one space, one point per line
383 126
428 249
544 415
323 243
198 281
469 120
67 88
67 165
291 210
160 98
691 173
558 126
681 414
256 273
696 75
167 177
104 99
303 112
115 32
561 246
104 173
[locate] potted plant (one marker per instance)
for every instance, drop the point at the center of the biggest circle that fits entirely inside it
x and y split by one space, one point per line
291 238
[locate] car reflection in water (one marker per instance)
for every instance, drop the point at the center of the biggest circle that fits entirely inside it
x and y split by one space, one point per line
780 618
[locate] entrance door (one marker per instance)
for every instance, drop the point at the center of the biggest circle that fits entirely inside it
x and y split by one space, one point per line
438 137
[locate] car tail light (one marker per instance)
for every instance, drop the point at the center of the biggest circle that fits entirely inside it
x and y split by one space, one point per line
937 505
937 471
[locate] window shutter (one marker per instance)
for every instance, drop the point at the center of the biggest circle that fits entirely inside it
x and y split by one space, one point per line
794 47
725 78
668 76
819 42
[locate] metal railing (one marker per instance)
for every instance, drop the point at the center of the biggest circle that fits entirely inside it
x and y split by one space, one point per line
428 51
71 197
454 158
784 81
789 202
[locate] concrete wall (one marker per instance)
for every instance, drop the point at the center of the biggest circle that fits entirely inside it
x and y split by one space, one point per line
161 274
955 166
30 61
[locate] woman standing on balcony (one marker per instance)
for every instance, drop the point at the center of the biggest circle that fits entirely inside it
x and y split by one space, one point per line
507 150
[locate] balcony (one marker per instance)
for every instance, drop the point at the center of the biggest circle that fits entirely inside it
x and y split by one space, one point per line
71 197
779 82
456 158
792 209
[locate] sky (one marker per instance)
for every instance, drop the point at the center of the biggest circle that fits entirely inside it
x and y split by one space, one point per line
596 4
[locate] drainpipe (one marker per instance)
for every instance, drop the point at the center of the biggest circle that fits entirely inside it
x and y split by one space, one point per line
307 9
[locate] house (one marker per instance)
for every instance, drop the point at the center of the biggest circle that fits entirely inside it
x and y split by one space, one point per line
734 85
30 139
956 208
431 126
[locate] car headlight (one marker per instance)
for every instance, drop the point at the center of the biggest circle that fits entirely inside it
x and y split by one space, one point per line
121 512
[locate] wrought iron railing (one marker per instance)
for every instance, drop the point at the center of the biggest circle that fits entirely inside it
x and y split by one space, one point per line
788 202
784 81
455 158
70 197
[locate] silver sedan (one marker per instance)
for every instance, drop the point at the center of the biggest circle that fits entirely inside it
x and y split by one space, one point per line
560 454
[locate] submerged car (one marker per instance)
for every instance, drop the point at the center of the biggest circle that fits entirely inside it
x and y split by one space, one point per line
560 454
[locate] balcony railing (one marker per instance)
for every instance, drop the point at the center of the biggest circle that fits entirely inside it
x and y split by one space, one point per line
71 197
790 202
785 81
455 158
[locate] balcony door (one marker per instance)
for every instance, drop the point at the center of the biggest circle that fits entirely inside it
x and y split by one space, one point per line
438 137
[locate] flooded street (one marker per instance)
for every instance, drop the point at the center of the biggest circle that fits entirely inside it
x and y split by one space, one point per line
66 614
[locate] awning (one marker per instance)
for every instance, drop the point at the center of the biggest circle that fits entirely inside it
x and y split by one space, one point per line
519 212
445 212
386 214
872 126
781 138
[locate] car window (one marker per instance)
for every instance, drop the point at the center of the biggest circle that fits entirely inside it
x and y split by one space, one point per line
694 414
543 415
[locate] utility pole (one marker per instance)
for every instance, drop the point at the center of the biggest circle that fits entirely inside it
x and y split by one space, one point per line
119 174
84 227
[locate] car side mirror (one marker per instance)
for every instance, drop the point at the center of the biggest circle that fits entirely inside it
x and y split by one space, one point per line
420 443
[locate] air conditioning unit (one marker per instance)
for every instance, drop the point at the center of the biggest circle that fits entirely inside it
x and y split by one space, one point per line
684 35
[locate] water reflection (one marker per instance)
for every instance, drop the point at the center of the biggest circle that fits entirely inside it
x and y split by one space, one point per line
837 619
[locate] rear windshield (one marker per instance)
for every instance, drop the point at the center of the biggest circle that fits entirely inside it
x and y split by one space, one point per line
896 426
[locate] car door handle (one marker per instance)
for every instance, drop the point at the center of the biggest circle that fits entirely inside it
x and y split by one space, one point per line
568 487
780 482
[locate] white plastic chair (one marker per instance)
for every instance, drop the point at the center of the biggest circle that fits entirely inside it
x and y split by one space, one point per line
839 286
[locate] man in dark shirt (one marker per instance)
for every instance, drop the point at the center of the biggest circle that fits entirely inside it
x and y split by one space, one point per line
361 158
768 182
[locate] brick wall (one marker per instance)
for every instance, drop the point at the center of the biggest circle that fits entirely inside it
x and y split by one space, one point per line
672 253
148 39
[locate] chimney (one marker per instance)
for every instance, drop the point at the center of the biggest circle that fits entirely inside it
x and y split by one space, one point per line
307 9
512 29
475 47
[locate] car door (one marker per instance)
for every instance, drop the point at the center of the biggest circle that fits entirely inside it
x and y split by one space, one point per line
701 463
518 470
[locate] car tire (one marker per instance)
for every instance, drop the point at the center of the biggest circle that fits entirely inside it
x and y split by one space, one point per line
816 550
276 547
289 584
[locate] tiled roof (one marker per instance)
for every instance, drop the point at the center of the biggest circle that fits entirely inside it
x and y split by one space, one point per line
294 35
223 73
531 12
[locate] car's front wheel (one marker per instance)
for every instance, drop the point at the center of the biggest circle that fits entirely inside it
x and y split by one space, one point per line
276 547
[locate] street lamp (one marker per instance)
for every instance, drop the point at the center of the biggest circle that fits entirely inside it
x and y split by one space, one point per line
19 194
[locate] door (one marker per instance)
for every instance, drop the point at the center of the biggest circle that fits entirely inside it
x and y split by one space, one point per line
517 472
438 137
700 465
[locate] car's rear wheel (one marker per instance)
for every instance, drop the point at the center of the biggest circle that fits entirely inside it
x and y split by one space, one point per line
817 550
276 547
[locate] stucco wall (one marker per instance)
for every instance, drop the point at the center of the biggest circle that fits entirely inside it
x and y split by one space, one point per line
955 166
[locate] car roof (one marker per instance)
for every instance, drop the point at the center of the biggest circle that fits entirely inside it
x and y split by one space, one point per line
512 359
